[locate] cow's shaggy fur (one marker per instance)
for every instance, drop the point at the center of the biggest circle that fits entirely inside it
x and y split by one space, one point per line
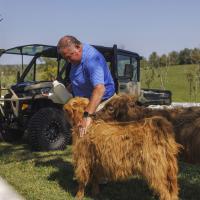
117 150
128 108
74 109
186 122
187 129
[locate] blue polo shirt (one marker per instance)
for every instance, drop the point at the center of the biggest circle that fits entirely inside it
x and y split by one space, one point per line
92 71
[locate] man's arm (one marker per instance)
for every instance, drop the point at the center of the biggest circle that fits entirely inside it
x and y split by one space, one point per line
96 98
96 74
91 108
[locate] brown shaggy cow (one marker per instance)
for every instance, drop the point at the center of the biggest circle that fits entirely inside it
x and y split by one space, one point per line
117 150
194 143
187 129
186 121
128 108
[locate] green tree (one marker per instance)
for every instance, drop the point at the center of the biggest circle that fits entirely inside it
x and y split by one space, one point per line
143 63
154 60
173 58
48 70
148 73
185 56
195 56
163 60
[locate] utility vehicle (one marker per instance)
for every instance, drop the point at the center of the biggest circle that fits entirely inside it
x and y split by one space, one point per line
33 105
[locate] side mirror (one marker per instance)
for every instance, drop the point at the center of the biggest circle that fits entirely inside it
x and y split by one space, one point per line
18 76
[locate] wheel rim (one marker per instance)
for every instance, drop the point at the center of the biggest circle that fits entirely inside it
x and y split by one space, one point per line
52 131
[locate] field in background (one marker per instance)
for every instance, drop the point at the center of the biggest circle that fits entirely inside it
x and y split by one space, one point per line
49 176
176 81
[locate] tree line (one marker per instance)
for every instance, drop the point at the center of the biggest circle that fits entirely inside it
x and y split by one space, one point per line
156 68
185 56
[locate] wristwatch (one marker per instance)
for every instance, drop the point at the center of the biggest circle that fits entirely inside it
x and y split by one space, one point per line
86 114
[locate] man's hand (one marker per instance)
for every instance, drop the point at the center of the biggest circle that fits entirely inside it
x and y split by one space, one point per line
83 125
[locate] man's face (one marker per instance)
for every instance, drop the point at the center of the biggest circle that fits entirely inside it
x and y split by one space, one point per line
73 55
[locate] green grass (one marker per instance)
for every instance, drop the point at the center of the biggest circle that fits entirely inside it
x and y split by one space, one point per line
49 176
176 82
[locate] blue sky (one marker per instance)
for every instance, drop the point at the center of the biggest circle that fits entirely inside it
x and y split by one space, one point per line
142 26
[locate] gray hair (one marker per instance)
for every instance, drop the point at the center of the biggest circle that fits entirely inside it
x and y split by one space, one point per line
68 41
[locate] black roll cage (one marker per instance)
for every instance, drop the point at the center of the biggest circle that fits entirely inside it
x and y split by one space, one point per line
51 52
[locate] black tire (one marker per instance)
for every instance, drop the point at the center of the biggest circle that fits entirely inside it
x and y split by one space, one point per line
48 130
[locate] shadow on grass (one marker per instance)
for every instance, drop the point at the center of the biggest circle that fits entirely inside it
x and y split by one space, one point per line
189 190
20 152
64 174
134 188
7 149
189 181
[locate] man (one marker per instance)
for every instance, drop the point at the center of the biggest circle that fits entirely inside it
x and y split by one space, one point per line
90 76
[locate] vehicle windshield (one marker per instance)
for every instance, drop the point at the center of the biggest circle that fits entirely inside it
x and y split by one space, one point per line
41 60
10 65
30 50
44 69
